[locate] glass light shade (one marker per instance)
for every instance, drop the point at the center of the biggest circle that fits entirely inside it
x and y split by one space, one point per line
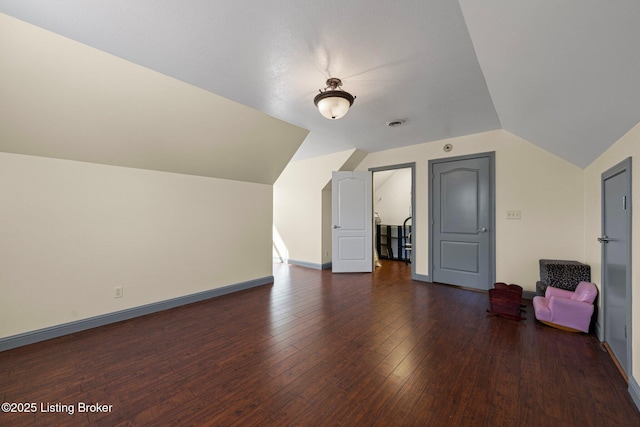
333 102
333 107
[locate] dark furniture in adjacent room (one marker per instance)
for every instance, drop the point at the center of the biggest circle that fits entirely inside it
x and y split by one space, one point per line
390 241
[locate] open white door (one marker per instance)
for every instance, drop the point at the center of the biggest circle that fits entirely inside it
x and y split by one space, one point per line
352 217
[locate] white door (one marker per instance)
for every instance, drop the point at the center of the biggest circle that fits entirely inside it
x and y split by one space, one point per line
352 216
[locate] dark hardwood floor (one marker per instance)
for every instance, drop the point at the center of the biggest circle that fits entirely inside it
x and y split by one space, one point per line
318 349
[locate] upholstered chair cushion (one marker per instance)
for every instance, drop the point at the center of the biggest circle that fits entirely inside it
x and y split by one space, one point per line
585 292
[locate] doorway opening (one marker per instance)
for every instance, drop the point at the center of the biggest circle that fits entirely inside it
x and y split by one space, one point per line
395 224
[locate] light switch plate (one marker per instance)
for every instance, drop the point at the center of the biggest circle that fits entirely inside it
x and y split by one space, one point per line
514 214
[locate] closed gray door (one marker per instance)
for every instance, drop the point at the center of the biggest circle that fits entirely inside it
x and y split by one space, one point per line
461 221
615 240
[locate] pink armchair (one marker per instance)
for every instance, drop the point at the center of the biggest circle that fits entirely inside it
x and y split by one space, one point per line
567 310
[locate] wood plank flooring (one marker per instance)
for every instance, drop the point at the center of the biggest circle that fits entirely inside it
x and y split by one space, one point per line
317 349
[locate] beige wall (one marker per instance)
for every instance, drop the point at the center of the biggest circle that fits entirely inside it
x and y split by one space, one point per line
63 99
627 146
546 189
301 206
70 232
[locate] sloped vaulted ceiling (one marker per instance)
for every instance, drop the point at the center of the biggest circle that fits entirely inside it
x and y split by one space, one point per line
62 99
562 75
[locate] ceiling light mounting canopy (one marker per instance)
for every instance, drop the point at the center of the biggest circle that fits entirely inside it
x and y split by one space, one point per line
333 102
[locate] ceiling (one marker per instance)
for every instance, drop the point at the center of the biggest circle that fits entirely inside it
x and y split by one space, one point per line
562 75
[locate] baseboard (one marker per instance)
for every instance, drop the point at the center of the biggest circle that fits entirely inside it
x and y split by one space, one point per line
420 277
325 266
307 264
599 332
634 391
633 387
118 316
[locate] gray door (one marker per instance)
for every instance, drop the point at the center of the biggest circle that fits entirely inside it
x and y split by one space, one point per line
462 222
615 240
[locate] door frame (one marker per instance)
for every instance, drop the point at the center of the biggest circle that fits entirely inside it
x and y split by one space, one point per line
623 166
414 220
491 155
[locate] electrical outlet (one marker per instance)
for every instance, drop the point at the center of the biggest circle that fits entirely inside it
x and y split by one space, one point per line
118 292
514 214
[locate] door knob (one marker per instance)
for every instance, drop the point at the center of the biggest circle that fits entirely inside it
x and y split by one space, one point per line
603 239
336 226
482 230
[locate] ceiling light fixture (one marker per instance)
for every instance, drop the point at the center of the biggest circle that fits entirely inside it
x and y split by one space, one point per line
333 102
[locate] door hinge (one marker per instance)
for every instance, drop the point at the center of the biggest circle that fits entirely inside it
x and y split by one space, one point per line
624 202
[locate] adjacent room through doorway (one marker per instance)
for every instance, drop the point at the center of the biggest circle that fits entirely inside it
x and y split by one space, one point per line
393 213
